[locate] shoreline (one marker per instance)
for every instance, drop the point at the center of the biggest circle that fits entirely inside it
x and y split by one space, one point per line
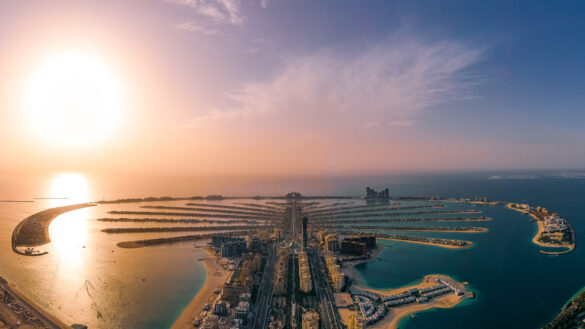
36 228
396 314
215 277
540 231
51 320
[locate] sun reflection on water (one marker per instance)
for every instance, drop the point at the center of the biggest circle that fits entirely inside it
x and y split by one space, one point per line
68 232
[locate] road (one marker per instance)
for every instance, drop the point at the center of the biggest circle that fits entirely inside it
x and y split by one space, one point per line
294 280
329 315
264 299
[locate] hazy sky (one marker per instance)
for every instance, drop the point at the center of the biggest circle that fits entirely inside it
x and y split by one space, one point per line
308 86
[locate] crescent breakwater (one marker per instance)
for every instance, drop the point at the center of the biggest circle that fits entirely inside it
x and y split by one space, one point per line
34 230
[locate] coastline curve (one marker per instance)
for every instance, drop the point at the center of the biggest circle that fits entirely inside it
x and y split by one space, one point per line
34 230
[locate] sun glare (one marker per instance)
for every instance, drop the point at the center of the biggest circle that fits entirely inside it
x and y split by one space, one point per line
73 99
68 188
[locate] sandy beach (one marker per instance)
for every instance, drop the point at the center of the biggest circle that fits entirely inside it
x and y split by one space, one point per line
540 231
395 314
215 278
391 320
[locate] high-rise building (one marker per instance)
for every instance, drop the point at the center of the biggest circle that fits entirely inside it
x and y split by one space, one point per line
220 307
305 235
332 242
306 284
373 194
336 276
353 247
281 272
368 239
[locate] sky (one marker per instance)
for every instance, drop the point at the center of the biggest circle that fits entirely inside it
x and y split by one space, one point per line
295 87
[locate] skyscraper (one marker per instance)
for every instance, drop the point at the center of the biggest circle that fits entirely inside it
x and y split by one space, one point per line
305 236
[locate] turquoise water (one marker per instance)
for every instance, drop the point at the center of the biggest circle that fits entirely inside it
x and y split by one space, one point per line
516 286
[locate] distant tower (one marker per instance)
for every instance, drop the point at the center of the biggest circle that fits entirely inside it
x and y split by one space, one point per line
305 221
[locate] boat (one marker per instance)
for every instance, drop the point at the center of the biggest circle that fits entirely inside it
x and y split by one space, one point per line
79 326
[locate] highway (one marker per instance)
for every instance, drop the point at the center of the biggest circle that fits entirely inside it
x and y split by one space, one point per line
294 280
329 316
264 299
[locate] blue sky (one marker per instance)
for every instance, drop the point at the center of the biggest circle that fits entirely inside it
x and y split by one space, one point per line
411 85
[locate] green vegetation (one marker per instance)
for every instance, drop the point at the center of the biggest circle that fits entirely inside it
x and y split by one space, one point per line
571 315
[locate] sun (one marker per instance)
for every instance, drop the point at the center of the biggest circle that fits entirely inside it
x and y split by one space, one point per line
73 99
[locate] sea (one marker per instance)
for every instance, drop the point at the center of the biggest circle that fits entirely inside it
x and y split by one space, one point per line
87 279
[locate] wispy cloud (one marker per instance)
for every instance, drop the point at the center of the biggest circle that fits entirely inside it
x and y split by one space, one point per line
261 40
196 28
401 123
387 84
220 11
264 3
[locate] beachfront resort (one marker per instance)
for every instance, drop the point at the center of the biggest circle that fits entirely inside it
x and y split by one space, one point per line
553 231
